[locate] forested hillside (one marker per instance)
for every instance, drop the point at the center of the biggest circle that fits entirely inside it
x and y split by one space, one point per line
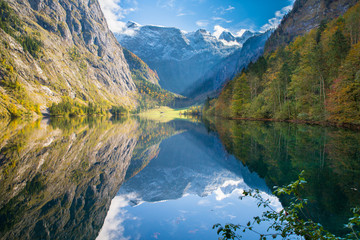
315 78
306 15
150 94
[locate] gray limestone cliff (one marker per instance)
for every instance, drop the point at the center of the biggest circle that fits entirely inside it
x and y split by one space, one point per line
78 56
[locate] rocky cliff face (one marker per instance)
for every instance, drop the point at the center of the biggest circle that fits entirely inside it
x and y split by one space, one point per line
306 15
78 55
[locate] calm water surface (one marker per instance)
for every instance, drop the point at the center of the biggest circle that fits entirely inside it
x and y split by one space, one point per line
138 179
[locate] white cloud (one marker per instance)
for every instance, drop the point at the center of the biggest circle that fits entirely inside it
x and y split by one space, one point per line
220 195
221 19
240 33
166 3
217 18
230 8
204 202
218 30
275 21
113 224
202 23
114 13
224 10
182 12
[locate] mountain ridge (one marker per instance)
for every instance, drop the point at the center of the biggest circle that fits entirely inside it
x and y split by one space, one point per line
180 58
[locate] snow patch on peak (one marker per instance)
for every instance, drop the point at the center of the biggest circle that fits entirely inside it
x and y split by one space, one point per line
218 30
227 36
131 24
230 39
230 43
203 32
241 32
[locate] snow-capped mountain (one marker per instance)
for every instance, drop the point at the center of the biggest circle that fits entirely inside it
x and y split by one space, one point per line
229 39
227 36
172 43
180 58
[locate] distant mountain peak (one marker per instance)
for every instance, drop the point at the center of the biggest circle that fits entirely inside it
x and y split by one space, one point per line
131 24
227 36
229 39
203 31
247 34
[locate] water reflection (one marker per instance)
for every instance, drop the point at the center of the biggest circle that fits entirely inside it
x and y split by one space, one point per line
60 179
190 185
278 152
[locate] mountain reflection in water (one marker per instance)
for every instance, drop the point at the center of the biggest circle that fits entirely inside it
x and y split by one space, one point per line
191 185
60 179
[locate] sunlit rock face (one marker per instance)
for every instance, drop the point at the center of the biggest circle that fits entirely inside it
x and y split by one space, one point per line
79 56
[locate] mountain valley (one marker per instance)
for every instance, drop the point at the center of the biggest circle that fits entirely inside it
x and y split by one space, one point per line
182 59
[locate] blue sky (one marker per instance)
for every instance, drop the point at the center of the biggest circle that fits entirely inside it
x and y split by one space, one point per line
190 15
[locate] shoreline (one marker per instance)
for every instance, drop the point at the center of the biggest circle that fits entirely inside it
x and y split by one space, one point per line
350 126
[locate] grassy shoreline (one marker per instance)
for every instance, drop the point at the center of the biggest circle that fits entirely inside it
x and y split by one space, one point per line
164 114
351 126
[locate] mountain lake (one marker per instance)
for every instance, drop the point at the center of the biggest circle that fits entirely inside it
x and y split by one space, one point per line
132 178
